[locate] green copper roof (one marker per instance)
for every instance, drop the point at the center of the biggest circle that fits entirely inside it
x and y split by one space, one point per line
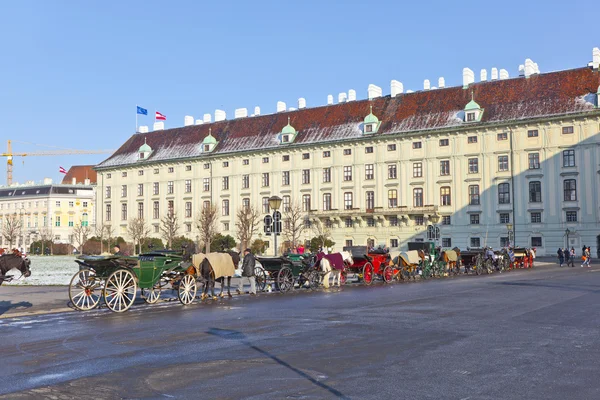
210 139
145 148
288 129
371 118
472 106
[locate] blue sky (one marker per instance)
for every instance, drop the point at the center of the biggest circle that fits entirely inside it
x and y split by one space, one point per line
73 71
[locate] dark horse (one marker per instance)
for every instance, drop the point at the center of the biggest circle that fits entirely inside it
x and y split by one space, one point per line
14 260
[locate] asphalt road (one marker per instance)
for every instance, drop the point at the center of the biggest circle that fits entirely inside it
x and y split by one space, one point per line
528 334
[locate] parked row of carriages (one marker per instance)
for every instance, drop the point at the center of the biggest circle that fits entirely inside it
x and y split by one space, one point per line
116 279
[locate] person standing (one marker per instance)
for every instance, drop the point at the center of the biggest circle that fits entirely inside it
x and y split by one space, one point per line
572 256
248 266
117 250
569 258
561 256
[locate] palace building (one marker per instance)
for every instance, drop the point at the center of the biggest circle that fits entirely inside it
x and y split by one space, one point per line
502 160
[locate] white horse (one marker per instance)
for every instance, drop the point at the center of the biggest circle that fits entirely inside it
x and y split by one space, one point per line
337 273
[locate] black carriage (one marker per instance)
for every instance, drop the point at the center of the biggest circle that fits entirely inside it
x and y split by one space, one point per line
285 272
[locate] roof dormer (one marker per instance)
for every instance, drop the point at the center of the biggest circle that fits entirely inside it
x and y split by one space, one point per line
371 123
473 112
144 151
209 143
288 134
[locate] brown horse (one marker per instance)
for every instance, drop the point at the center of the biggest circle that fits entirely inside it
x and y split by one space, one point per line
409 263
451 258
14 260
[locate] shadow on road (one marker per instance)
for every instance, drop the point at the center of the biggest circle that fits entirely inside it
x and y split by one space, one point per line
6 306
240 337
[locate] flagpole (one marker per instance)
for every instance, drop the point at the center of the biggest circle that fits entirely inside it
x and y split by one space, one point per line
136 118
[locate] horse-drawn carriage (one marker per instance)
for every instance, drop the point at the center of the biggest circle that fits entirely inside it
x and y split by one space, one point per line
285 272
368 264
523 257
117 278
13 260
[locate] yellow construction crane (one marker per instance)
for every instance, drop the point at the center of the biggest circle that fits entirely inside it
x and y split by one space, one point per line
9 156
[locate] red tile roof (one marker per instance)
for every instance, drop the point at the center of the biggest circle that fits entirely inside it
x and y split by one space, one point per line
80 173
542 95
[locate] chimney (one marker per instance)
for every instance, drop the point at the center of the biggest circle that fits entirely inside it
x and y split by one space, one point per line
159 126
342 97
73 181
220 115
143 129
441 82
329 99
301 102
188 120
494 73
256 110
351 95
426 84
281 106
374 91
503 74
521 70
199 122
291 108
596 58
47 181
529 68
410 91
207 118
396 87
241 112
86 182
468 77
483 75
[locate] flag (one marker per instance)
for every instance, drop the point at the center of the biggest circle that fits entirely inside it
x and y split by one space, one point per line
160 117
142 111
62 170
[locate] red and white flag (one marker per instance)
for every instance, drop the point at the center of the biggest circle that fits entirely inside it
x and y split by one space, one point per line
62 170
159 117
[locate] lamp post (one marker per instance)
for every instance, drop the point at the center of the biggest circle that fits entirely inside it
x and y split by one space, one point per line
509 228
567 232
274 204
435 218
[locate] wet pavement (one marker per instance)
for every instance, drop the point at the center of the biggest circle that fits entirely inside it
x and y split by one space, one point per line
526 334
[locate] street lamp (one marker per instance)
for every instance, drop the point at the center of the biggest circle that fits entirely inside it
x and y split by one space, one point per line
509 227
274 204
567 232
435 218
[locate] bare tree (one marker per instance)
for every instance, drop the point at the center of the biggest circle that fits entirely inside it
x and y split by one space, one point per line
110 233
207 224
138 229
80 235
46 236
11 228
322 232
293 224
99 232
247 224
169 226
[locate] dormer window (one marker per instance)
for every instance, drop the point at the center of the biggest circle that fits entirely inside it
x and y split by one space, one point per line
285 138
144 151
369 128
209 143
288 133
470 117
371 123
473 112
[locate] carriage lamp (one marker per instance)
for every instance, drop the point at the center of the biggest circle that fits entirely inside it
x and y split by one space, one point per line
275 202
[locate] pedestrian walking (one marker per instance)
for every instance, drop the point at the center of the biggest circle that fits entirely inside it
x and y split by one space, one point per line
561 256
572 256
569 258
248 266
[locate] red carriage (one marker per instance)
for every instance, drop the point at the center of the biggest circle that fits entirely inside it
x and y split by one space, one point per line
369 264
523 257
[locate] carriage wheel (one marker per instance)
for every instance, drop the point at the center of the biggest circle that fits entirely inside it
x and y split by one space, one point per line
85 290
314 280
120 290
285 280
260 278
368 273
187 289
151 295
388 274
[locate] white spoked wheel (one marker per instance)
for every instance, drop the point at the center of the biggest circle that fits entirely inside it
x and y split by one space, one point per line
120 290
151 295
85 290
187 289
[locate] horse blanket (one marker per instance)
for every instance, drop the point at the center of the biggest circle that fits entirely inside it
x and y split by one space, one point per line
452 256
335 259
221 263
410 257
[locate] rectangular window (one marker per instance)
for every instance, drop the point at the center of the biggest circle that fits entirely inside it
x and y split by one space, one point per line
285 178
370 222
472 139
286 203
124 174
265 179
570 190
245 161
504 193
534 160
392 198
569 158
370 196
470 117
326 154
170 187
391 147
225 164
418 197
85 204
473 165
394 220
504 241
419 220
326 175
155 171
348 243
71 204
170 170
245 181
156 210
445 198
536 241
156 228
571 216
206 165
348 201
124 191
225 208
532 133
445 167
225 226
155 188
444 142
285 158
188 167
108 176
265 160
108 213
326 201
305 176
246 202
206 184
446 220
347 173
188 186
57 220
536 217
504 218
369 149
416 145
140 210
503 136
393 242
140 189
188 209
347 152
392 171
140 172
502 163
567 130
348 223
306 202
171 207
369 172
535 192
225 183
265 205
305 156
124 212
417 170
475 242
474 195
447 242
